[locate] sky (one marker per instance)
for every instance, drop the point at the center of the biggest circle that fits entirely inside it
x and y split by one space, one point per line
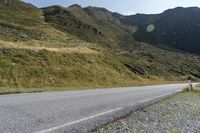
125 7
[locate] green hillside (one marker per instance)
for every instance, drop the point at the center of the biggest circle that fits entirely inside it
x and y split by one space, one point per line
112 30
27 68
35 54
91 24
24 23
79 47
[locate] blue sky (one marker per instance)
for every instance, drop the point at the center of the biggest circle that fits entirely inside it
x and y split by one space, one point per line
125 7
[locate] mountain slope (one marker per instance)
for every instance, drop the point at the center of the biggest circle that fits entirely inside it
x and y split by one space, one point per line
91 24
174 29
24 23
82 47
35 54
18 19
141 58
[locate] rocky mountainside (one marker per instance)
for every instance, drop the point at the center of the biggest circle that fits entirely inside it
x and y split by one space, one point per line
86 47
127 34
91 24
174 29
177 28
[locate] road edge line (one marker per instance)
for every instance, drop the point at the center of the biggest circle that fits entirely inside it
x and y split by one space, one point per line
118 113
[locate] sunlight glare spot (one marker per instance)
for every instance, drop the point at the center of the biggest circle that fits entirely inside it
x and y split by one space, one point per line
150 28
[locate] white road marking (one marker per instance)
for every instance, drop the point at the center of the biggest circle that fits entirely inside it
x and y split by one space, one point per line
96 115
165 95
149 99
78 121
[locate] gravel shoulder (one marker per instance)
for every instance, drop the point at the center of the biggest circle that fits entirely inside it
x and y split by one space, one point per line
177 114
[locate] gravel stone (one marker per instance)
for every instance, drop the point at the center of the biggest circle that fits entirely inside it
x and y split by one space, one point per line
177 114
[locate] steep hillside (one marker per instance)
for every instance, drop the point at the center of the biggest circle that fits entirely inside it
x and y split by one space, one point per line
83 47
28 68
24 23
35 54
141 58
18 19
173 29
91 24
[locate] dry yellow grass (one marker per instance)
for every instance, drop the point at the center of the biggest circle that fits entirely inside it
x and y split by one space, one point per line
78 49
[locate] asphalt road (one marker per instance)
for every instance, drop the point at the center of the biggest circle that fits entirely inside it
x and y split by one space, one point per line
72 111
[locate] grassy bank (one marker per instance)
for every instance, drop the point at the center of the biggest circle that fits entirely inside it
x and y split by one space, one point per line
17 90
28 68
25 70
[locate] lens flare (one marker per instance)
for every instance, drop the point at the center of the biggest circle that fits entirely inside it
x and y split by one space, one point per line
150 28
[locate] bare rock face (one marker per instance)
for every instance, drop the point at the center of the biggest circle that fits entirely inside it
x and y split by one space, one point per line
15 32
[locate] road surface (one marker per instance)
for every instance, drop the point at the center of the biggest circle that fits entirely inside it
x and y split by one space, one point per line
72 111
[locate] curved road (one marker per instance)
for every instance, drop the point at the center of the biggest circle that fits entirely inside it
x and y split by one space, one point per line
72 111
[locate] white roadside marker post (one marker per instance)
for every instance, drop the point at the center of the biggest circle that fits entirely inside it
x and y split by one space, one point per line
190 83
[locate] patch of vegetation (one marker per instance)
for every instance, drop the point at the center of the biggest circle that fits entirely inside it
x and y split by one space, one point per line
28 68
95 25
154 63
23 22
64 20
